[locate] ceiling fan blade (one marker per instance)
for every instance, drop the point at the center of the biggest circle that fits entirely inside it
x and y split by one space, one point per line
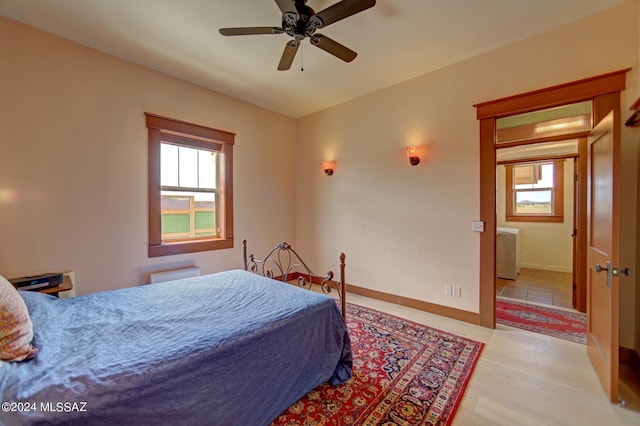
339 11
333 47
250 31
287 6
289 53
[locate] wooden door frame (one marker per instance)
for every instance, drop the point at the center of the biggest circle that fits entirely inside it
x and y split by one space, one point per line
580 224
487 113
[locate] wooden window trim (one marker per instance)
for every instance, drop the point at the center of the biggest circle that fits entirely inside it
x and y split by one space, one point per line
557 197
160 128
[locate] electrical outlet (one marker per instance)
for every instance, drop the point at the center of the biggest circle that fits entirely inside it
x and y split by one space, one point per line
457 292
448 290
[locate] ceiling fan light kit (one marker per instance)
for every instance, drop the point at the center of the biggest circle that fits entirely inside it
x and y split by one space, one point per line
301 21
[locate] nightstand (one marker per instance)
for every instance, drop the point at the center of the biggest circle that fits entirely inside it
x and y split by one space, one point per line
65 286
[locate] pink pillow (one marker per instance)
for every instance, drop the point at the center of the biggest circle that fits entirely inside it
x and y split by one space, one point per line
16 329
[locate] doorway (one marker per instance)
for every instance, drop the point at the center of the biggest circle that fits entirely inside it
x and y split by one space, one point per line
535 249
604 92
488 113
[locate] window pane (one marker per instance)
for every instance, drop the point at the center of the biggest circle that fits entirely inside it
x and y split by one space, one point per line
187 167
533 176
174 203
573 118
188 214
540 150
534 202
526 176
188 160
175 223
205 220
204 204
207 169
205 215
546 181
168 165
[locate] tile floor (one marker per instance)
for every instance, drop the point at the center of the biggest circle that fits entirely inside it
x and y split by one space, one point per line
535 285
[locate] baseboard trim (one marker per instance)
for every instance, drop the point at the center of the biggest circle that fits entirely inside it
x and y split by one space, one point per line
552 268
432 308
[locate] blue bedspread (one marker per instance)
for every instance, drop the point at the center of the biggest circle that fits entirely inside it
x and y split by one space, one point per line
231 348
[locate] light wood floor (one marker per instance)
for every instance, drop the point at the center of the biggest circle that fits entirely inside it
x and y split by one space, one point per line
523 378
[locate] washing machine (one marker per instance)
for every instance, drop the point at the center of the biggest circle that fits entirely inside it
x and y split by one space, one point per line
508 253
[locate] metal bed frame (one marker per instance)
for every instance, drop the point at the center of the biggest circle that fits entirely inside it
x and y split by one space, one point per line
284 264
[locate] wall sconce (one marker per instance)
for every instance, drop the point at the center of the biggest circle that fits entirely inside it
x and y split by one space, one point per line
328 166
412 153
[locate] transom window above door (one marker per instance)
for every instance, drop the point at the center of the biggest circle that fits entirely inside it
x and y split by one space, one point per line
545 123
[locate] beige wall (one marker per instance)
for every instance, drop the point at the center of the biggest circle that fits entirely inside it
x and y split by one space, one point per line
546 246
407 230
73 162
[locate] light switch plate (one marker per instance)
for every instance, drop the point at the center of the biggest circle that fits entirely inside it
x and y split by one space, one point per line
477 226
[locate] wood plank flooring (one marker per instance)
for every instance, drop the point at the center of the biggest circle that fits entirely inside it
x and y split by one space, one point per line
523 378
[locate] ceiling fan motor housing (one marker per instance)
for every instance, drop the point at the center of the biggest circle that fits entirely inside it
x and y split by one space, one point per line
300 25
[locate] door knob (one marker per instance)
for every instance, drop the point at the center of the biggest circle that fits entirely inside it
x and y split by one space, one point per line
615 272
609 270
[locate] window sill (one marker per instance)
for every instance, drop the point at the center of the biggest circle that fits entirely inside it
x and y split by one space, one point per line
189 247
550 219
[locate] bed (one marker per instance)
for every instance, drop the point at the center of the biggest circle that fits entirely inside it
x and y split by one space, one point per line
228 348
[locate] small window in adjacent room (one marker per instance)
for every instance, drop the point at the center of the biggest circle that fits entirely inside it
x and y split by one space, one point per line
534 192
190 187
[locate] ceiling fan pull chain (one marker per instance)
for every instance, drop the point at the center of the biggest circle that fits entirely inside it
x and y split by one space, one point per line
301 57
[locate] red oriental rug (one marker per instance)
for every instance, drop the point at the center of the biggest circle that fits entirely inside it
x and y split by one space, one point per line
403 373
568 325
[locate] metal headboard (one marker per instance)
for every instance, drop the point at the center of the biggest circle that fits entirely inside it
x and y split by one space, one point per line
284 264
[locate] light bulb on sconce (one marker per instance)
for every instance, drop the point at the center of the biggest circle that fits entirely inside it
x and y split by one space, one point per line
412 153
328 166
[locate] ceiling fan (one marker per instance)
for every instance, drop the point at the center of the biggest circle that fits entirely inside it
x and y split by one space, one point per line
300 21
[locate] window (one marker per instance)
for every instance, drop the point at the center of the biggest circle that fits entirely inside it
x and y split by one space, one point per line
188 192
534 191
190 187
545 123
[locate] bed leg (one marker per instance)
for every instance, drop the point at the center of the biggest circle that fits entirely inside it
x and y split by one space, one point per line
244 253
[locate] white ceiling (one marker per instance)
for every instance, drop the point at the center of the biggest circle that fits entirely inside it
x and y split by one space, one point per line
396 40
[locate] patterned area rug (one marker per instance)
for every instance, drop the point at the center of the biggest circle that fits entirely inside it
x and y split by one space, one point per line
404 373
566 325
